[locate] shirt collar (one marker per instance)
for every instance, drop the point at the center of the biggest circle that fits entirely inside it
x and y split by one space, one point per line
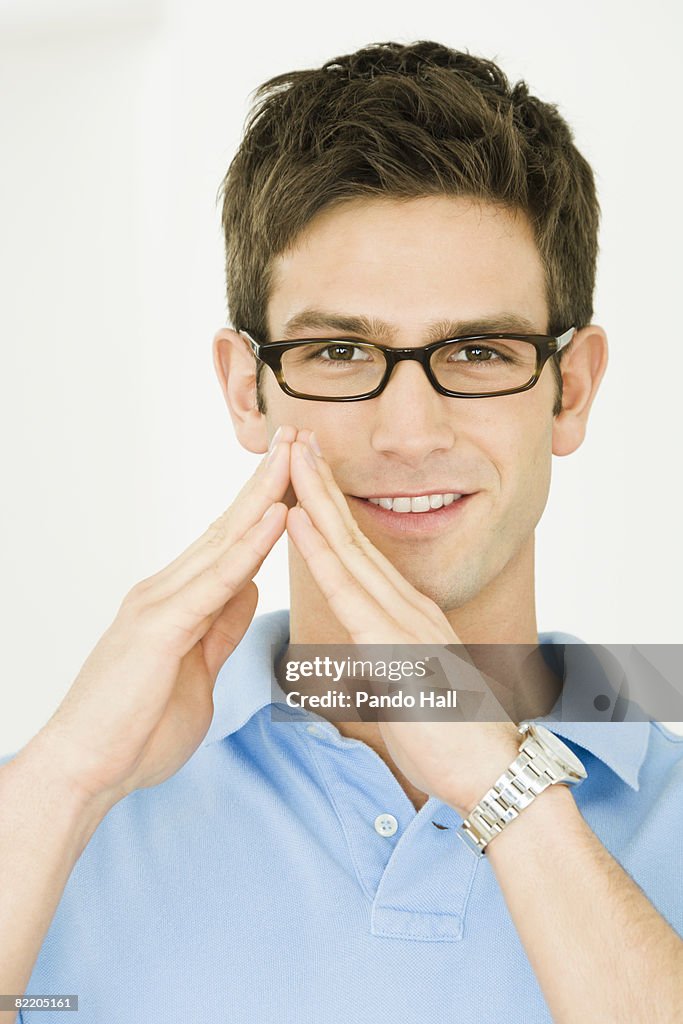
588 673
246 683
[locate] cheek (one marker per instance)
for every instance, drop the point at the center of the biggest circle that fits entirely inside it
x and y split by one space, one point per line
529 471
335 424
282 409
518 445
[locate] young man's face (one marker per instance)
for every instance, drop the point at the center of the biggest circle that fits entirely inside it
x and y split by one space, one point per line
417 267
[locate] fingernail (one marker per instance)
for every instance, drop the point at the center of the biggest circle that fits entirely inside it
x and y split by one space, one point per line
313 441
305 515
275 438
269 511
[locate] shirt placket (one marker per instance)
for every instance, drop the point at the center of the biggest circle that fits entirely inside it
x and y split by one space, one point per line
412 867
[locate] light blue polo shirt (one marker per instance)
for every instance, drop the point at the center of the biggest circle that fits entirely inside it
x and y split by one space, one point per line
255 886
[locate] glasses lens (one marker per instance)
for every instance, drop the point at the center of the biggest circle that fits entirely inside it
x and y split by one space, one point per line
478 367
333 369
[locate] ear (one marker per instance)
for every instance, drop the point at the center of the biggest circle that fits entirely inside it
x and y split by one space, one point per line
582 369
236 369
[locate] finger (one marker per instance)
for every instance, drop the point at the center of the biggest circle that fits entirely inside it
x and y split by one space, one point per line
229 627
179 620
267 478
381 561
358 611
405 602
268 485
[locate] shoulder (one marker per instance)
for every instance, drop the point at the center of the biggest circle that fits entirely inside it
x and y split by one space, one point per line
661 773
670 737
665 745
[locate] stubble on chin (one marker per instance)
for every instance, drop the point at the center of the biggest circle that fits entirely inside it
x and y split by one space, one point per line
450 584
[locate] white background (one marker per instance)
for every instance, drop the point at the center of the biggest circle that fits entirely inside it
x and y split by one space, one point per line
117 123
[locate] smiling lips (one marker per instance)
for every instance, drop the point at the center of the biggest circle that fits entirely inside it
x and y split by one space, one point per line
418 503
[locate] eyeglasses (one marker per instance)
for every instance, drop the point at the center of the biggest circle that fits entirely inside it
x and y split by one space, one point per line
348 370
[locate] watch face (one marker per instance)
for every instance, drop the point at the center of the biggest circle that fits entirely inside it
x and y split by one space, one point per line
560 750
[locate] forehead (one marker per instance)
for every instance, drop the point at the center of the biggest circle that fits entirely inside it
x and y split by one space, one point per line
410 262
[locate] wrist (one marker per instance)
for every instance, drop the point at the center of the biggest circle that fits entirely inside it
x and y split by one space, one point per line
542 761
553 813
45 761
494 761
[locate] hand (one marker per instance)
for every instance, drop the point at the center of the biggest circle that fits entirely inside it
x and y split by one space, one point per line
143 701
454 761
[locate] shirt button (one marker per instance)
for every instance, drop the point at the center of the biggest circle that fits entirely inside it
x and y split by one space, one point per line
313 730
386 825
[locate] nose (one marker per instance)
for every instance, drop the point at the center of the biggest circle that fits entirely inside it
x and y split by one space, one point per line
411 419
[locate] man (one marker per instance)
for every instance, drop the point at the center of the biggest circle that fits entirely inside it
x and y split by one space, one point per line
165 859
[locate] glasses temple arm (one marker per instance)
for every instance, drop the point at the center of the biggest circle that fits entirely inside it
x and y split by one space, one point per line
565 338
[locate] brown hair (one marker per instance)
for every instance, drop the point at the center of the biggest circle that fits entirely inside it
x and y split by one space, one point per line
406 121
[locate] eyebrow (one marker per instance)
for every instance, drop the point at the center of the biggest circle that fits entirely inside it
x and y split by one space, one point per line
382 331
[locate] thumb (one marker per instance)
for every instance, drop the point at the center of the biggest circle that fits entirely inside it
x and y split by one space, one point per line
229 627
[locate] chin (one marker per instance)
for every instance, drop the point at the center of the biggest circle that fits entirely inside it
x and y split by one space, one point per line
448 588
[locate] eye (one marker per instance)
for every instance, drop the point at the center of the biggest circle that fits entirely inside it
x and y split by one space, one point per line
480 353
341 353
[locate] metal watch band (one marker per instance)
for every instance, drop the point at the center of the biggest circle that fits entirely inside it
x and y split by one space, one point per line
529 774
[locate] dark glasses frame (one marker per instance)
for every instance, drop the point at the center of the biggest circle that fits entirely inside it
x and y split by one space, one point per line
270 353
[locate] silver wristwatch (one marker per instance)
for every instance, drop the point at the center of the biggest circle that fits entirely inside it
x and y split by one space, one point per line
543 760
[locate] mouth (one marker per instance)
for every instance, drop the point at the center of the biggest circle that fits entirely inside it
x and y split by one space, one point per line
415 513
419 503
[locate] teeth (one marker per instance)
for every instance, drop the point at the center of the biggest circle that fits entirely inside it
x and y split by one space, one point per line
401 505
421 503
